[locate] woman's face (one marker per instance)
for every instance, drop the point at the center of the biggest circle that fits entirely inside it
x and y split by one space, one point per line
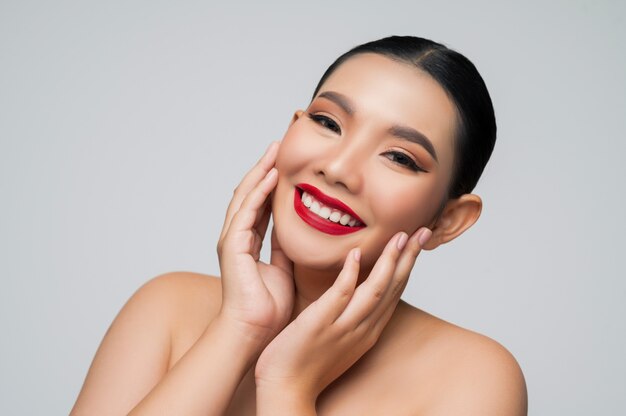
375 147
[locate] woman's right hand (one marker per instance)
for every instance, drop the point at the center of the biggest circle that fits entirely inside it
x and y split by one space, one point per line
256 296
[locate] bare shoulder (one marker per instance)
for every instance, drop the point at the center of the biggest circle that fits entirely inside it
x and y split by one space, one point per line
183 299
138 347
468 373
186 292
193 300
185 283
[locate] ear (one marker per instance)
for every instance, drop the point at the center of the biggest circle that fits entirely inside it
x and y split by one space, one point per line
295 117
457 216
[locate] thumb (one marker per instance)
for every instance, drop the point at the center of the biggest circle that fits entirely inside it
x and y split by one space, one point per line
278 257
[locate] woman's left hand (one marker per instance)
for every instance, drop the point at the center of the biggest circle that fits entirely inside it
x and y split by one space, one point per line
333 332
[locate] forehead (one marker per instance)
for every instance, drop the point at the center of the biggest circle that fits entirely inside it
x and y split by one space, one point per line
386 91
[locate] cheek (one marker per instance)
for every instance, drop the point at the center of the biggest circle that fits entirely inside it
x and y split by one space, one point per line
282 161
295 149
403 204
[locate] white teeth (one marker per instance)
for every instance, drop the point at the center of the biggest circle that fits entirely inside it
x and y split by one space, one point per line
325 212
335 216
307 200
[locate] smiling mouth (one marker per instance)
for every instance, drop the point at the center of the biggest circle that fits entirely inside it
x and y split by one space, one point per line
325 213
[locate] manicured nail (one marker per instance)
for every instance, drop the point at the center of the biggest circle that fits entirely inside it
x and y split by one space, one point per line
424 236
270 175
356 254
402 240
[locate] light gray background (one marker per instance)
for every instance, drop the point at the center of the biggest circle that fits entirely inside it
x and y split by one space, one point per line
124 127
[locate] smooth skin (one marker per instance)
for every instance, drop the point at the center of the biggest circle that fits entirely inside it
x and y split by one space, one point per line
256 342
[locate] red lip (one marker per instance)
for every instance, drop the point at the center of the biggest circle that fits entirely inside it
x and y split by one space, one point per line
318 222
328 200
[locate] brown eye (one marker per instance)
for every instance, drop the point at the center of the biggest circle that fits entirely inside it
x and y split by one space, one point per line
403 160
326 122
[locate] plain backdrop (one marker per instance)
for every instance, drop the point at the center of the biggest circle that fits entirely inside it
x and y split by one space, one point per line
125 126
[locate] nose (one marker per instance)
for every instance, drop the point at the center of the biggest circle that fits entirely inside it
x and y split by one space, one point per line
343 164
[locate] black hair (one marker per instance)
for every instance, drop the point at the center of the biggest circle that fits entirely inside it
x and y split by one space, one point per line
476 124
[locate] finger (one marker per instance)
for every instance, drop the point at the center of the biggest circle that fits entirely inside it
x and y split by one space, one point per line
241 233
256 246
259 229
383 311
333 302
277 256
254 205
249 181
376 326
264 219
372 290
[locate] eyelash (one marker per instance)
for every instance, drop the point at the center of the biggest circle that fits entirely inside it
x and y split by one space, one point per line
394 156
324 121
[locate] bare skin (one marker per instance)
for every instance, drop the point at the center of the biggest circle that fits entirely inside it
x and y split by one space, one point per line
432 366
320 328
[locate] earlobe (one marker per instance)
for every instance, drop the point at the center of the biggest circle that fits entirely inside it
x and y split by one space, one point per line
458 215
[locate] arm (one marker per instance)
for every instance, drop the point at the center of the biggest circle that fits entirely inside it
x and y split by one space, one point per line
204 380
130 367
284 402
257 299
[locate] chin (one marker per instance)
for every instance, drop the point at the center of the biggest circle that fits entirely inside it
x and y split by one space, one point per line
307 252
311 248
301 243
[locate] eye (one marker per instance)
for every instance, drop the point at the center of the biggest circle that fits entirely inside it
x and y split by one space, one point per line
404 160
326 122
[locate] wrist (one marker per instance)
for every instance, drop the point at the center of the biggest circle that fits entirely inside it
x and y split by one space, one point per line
249 335
278 400
241 343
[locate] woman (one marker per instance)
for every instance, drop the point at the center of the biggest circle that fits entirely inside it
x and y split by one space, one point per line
378 167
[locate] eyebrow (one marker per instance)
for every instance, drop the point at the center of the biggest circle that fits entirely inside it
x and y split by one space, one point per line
339 99
402 132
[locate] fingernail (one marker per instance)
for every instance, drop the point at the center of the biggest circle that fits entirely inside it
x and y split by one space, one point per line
356 254
402 240
424 236
271 174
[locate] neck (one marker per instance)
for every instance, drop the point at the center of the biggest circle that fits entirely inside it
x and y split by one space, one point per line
310 284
